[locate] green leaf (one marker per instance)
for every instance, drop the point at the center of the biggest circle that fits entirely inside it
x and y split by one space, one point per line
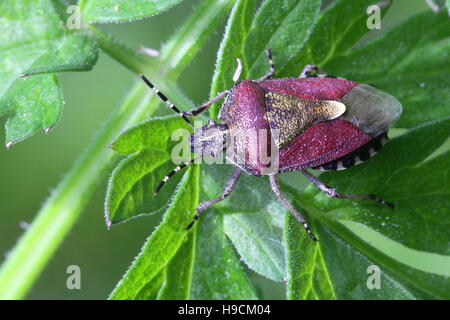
338 28
217 273
34 103
177 283
232 48
164 242
107 11
309 277
134 180
415 70
274 28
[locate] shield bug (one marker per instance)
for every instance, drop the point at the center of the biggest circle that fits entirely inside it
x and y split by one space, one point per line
315 121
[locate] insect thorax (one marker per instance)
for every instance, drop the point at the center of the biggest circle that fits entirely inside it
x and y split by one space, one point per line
210 139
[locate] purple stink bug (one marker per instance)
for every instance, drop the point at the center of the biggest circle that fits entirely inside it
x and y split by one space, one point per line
315 121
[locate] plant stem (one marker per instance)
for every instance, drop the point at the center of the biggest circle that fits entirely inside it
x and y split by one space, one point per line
179 56
65 204
135 62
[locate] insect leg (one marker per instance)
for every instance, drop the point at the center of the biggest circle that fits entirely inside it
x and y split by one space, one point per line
309 70
271 72
164 99
226 192
206 105
286 203
334 194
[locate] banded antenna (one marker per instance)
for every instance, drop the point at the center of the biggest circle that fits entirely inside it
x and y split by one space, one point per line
165 100
171 173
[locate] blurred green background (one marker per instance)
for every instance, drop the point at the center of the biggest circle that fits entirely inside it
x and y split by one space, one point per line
30 170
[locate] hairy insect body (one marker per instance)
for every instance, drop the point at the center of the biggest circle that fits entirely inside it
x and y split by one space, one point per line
269 126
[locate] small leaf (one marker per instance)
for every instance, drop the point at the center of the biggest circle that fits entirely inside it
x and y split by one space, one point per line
34 104
164 242
33 41
107 11
217 274
134 180
132 185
